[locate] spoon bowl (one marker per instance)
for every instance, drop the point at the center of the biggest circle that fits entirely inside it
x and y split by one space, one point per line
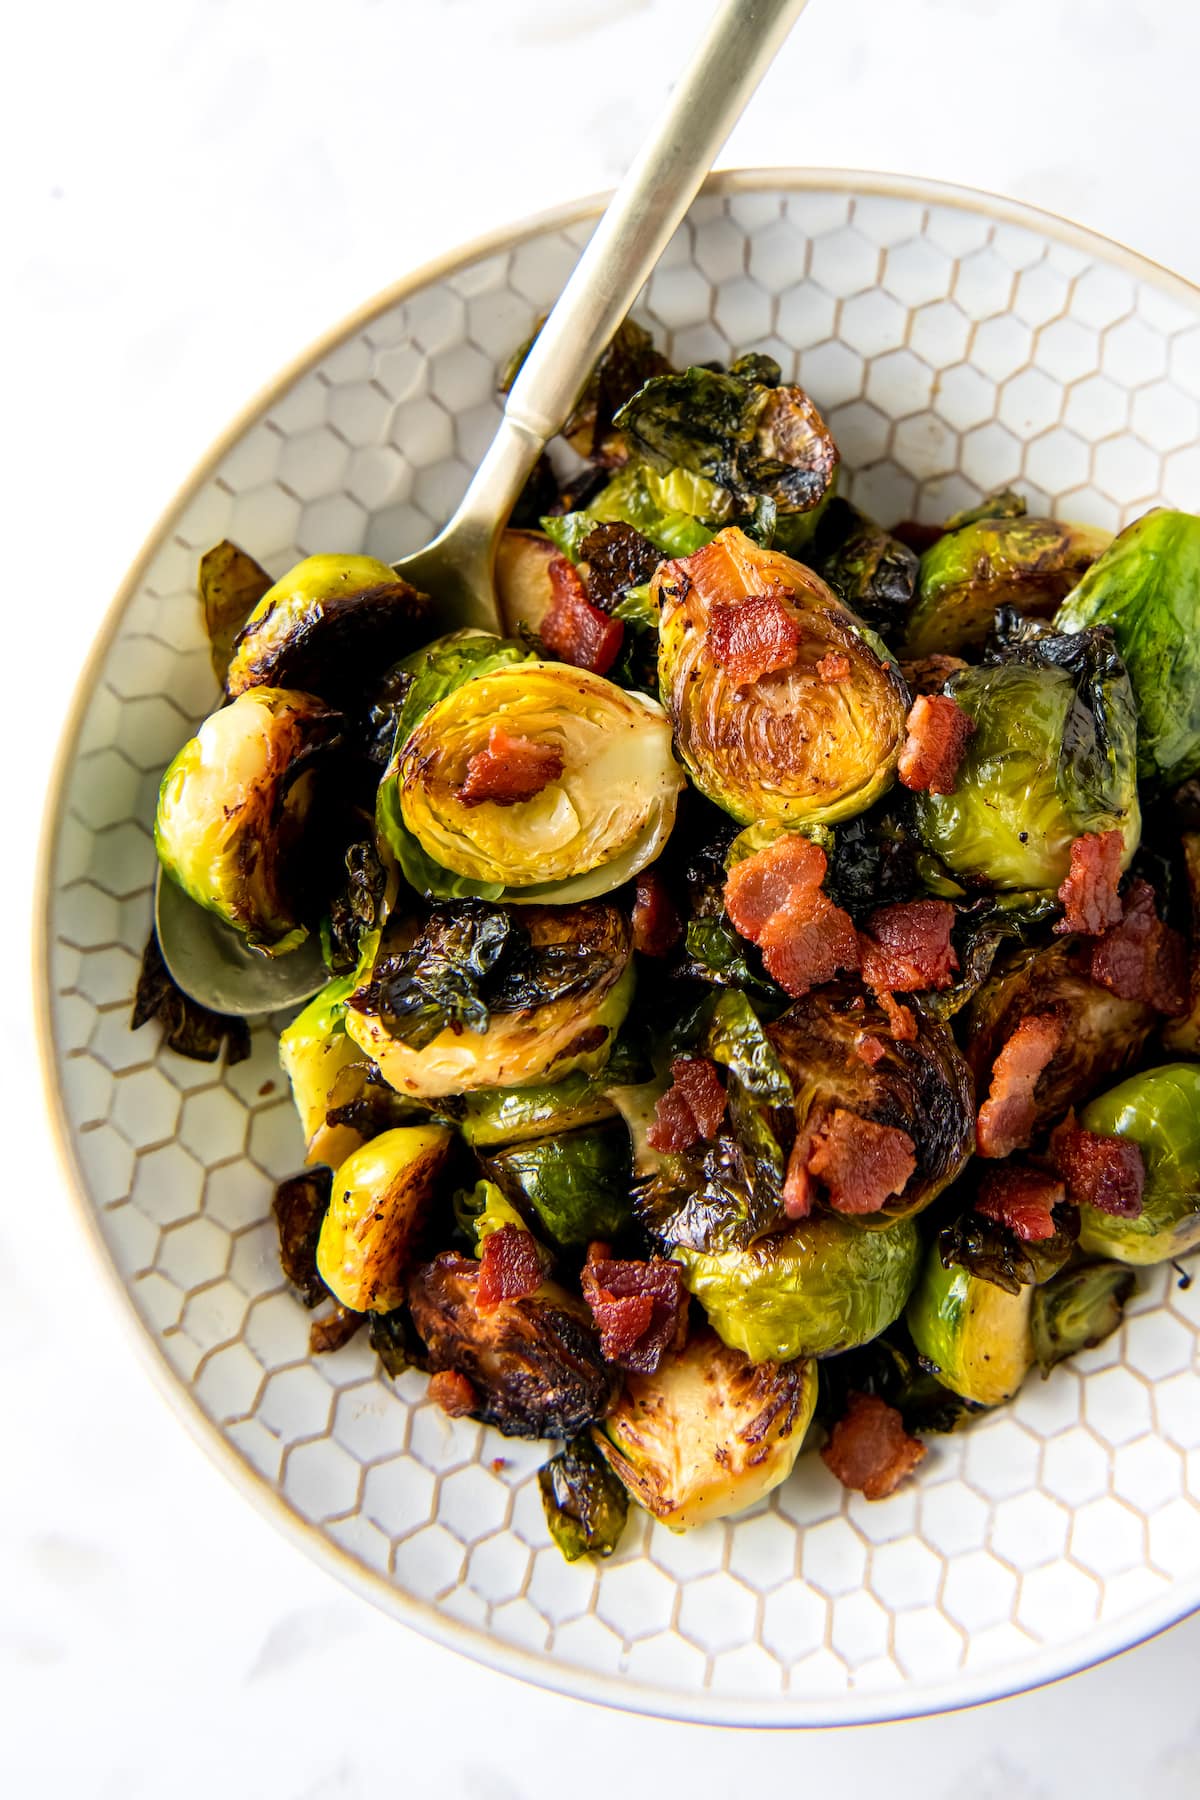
215 965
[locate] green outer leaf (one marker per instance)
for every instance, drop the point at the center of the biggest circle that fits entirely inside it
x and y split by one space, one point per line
629 499
1146 587
577 1184
1159 1109
737 1040
441 667
585 1504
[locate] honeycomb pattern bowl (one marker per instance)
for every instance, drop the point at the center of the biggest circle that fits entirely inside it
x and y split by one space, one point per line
955 343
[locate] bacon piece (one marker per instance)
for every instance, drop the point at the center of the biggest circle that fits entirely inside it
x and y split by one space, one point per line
510 1266
834 666
754 638
656 923
763 884
1022 1198
574 630
901 1023
938 730
453 1393
807 942
869 1449
510 770
907 946
640 1309
798 1194
1008 1115
869 1048
1108 1173
691 1108
1141 958
861 1162
1089 895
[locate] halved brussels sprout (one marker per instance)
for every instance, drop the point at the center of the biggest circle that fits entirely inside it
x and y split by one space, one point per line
232 806
976 1335
579 956
923 1088
1159 1109
585 1504
381 1197
873 572
1053 756
535 1364
576 1185
710 1433
314 1050
492 1117
323 623
606 816
1078 1310
987 563
823 1285
1103 1033
793 747
522 578
1146 587
231 585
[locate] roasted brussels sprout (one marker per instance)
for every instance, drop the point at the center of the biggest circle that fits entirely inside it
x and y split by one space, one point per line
1159 1109
314 1050
1077 1310
1146 589
492 1117
535 1364
793 746
1052 757
1102 1033
923 1088
823 1285
575 1184
522 578
381 1198
988 563
976 1336
602 818
677 511
323 623
231 585
585 1504
232 807
521 999
628 359
710 1433
300 1204
873 572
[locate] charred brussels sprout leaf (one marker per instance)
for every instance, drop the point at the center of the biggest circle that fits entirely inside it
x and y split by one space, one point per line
300 1206
323 623
873 572
544 995
535 1364
392 1340
628 359
233 805
585 1504
1159 1110
720 1195
823 1285
976 1335
576 1185
890 1368
710 1433
1031 564
872 862
991 1252
1052 757
189 1029
736 1039
357 910
1146 588
791 748
231 586
381 1198
1078 1310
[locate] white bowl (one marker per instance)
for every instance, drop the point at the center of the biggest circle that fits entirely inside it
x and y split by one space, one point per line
955 343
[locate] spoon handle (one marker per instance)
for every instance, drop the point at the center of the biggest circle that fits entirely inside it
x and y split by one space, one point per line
697 117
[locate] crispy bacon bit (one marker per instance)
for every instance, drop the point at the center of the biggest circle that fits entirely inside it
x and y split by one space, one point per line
929 674
510 770
640 1309
807 943
510 1266
861 1162
798 1183
1021 1198
453 1393
1141 958
656 923
754 638
869 1449
834 666
763 884
692 1108
907 946
574 630
901 1022
1108 1173
1007 1117
938 730
1089 895
869 1048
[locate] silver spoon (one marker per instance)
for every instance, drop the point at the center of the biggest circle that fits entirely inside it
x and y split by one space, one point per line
208 959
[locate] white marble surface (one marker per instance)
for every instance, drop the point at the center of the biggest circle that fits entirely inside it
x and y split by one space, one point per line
191 191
